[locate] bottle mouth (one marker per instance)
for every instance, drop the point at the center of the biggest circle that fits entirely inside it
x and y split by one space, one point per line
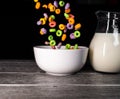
107 15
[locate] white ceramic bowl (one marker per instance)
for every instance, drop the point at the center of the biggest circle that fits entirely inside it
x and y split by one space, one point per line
60 62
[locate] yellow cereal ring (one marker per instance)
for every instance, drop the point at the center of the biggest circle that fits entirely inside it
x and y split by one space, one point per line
52 8
77 26
37 6
71 20
67 10
43 21
50 19
57 11
41 32
44 6
64 36
35 0
61 26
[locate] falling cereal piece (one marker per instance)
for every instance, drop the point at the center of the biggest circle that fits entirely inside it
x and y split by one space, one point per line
39 22
72 36
67 10
45 6
37 6
76 46
47 43
56 4
52 43
57 11
67 46
77 34
67 6
35 0
77 26
61 3
59 45
64 36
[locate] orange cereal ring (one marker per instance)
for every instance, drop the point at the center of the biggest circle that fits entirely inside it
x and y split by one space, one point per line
52 24
77 26
71 20
67 10
64 36
37 6
43 21
50 19
57 11
61 26
44 6
49 4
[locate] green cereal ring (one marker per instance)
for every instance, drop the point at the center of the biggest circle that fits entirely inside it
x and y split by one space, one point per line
67 46
52 43
77 34
61 3
52 30
50 37
76 46
52 16
59 33
66 15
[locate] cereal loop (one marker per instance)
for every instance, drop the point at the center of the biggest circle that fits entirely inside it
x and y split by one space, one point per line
77 26
61 3
71 16
52 8
52 16
52 30
52 24
72 36
77 34
50 19
67 46
69 26
57 11
76 46
50 37
35 0
50 4
71 21
52 43
66 15
67 6
64 36
43 21
59 33
41 32
67 10
45 6
56 4
37 6
61 26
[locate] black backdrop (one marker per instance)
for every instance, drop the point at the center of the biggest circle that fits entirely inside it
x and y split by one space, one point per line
18 33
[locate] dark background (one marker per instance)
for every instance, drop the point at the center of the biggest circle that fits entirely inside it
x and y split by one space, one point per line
18 30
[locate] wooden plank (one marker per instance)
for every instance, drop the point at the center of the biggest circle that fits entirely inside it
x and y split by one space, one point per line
43 78
60 92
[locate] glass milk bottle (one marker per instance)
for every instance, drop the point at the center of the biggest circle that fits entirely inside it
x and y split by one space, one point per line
105 46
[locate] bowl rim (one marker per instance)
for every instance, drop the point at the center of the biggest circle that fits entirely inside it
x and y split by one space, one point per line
44 47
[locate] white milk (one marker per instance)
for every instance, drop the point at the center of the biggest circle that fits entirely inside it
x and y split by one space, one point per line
105 52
